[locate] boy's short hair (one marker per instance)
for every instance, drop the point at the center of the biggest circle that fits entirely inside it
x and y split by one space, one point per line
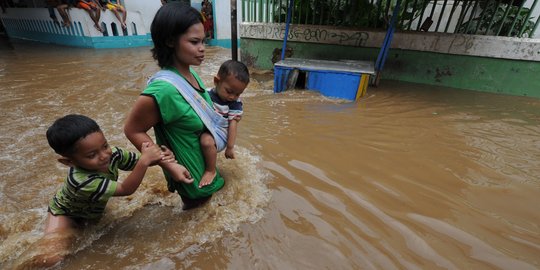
170 22
66 131
232 67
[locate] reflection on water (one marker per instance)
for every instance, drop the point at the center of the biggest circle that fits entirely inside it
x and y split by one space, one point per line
410 177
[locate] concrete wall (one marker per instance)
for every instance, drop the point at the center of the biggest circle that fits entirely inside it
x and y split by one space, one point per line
35 24
145 8
472 45
222 22
483 63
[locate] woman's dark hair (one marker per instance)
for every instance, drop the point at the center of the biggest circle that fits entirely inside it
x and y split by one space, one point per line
171 21
65 132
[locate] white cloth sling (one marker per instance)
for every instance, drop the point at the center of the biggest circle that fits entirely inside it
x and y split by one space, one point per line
214 122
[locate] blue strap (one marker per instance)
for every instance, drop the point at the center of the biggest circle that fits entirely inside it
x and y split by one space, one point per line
214 122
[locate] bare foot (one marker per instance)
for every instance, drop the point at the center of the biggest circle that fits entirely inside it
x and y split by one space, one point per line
207 178
124 26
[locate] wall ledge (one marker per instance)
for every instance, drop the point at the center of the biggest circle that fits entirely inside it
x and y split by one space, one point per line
459 44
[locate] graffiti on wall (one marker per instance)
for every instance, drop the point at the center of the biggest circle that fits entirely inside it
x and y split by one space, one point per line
311 34
458 44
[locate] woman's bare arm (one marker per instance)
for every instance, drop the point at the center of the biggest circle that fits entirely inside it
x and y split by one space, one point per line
143 116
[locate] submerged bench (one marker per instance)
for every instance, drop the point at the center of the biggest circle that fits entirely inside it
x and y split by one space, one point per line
344 79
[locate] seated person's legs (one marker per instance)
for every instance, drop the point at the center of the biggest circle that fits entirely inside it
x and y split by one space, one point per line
117 9
62 9
93 11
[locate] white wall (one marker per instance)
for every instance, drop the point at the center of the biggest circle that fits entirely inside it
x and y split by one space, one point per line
146 8
222 18
197 4
140 13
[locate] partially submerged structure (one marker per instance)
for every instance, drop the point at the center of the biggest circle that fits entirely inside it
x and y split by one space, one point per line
485 45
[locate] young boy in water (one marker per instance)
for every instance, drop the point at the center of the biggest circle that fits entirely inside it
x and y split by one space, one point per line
93 173
230 82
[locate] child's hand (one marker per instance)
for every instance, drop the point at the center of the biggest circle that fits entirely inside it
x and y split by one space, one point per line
150 153
237 118
229 153
168 155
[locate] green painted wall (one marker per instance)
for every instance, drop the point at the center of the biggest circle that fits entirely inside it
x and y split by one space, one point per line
514 77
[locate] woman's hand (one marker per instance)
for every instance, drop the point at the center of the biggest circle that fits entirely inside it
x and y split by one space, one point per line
178 172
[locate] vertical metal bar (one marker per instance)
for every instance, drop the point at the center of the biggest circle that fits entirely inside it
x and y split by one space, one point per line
267 9
462 13
504 17
379 11
471 17
534 28
279 12
451 15
300 12
313 14
527 18
260 12
248 10
307 12
331 13
400 22
434 5
441 15
287 23
484 12
336 14
421 16
492 17
321 18
270 9
234 31
515 19
245 11
433 9
412 15
255 10
387 8
369 13
274 13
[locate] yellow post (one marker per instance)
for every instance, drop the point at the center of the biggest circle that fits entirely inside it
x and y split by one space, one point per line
362 86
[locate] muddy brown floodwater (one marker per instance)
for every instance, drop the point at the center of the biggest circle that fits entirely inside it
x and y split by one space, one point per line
410 177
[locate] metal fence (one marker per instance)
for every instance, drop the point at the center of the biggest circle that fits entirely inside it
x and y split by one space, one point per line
513 18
